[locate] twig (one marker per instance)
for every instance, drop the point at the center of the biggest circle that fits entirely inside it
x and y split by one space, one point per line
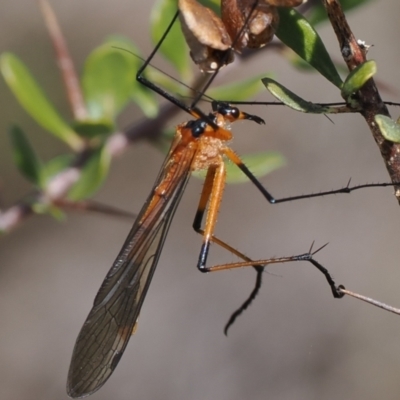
94 206
368 96
14 215
369 300
64 62
58 187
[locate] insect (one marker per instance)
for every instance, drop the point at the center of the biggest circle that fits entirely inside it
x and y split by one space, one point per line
243 24
200 143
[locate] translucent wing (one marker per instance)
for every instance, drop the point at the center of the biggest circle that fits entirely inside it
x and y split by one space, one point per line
109 325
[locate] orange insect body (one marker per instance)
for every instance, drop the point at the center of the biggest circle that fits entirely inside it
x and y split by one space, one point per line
205 151
198 144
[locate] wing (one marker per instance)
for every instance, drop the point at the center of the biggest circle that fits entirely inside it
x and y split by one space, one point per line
110 323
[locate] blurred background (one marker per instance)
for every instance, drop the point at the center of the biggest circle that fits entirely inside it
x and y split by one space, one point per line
295 341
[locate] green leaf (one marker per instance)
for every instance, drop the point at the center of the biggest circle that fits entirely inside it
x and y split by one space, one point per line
56 165
357 78
40 208
146 100
50 209
318 12
57 213
174 47
260 164
108 80
297 33
25 157
291 99
34 101
237 91
141 95
166 82
93 175
93 129
390 129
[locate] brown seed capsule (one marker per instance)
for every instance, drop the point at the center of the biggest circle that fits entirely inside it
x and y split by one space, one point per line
249 25
206 36
244 24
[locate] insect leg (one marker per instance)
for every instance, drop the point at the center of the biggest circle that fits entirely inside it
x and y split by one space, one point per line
211 195
272 200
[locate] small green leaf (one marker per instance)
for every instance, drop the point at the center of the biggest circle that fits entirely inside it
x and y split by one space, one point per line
93 175
167 83
260 164
93 129
174 47
108 80
237 91
57 213
40 208
318 12
50 209
357 78
56 165
34 101
146 100
390 129
291 99
141 95
25 157
297 33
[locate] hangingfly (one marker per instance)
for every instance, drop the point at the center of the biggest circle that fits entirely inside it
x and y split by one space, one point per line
198 144
108 327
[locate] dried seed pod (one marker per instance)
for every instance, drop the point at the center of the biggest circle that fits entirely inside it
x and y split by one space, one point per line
206 36
244 24
248 24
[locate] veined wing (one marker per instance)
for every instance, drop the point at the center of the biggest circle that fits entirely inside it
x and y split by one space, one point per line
109 325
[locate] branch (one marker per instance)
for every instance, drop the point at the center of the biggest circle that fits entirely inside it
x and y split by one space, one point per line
58 187
64 61
354 53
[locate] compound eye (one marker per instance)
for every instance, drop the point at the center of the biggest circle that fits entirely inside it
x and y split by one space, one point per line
227 110
197 127
221 107
234 111
212 118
